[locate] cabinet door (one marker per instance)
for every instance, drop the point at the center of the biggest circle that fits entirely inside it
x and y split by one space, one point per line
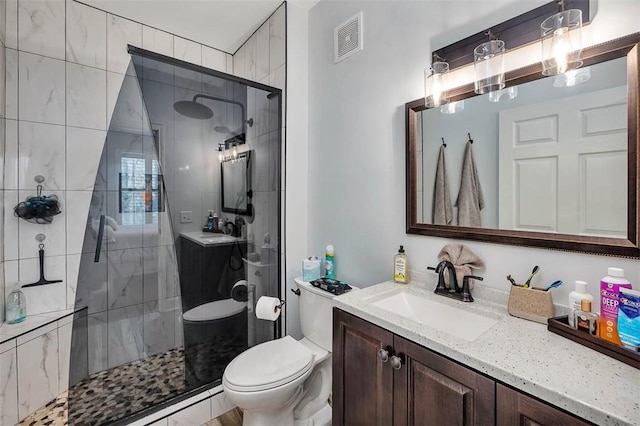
432 390
516 408
362 382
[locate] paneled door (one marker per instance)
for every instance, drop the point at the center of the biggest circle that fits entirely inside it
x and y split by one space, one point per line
551 157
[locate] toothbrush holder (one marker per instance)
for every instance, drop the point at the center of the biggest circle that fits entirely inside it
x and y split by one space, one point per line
533 304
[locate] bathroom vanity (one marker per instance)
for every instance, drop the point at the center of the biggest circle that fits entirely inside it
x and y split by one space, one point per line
209 266
403 367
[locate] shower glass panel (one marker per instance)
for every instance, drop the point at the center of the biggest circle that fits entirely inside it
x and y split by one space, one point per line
171 302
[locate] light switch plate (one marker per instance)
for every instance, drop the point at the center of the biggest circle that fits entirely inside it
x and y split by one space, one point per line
185 217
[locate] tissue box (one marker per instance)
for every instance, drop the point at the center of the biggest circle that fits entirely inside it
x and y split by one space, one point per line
310 269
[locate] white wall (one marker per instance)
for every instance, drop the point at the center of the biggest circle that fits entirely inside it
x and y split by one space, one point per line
356 137
297 160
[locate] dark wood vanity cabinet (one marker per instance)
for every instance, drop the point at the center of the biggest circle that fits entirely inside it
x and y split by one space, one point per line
426 389
362 383
421 388
517 408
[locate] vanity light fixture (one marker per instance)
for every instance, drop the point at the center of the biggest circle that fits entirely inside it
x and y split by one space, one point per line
435 83
488 64
221 152
561 41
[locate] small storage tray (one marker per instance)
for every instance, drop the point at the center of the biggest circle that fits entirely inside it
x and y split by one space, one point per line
561 327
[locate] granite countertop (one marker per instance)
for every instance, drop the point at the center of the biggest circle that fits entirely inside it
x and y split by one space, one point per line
520 353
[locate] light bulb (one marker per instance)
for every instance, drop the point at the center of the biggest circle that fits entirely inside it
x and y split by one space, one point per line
220 157
234 152
561 49
437 90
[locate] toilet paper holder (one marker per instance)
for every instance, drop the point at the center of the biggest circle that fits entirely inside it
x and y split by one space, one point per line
282 302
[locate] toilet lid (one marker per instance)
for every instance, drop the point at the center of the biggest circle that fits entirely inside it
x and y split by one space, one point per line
214 310
268 365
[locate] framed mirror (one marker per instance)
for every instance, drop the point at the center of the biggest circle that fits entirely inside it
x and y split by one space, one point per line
555 159
236 184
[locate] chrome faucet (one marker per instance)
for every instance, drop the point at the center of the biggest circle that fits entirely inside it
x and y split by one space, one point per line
454 291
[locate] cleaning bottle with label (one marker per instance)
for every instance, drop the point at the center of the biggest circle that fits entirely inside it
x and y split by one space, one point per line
329 263
400 267
609 299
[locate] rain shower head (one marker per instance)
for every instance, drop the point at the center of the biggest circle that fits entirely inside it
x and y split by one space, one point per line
193 109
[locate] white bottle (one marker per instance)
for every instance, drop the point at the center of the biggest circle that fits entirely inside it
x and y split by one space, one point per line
575 299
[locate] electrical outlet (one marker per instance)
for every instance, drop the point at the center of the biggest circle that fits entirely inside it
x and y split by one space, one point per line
185 217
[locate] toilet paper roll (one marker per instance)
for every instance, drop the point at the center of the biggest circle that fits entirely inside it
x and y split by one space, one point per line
267 308
239 291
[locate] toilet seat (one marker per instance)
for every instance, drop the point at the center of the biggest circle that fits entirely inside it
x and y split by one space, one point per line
214 310
268 365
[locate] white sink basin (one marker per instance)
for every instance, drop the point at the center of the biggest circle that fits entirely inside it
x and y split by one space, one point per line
455 321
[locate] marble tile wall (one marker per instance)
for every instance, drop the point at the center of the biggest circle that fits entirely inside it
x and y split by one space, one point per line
65 65
34 367
262 59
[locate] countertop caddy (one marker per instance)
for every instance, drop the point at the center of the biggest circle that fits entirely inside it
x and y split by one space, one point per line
516 352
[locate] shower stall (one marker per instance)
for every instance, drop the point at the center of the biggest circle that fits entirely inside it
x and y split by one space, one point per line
170 301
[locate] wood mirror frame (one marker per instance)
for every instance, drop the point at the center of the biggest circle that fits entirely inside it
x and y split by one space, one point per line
628 46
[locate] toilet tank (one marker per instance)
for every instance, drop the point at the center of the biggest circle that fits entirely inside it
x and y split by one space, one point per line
316 321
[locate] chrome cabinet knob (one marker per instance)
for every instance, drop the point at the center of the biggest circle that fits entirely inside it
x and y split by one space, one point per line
396 362
383 354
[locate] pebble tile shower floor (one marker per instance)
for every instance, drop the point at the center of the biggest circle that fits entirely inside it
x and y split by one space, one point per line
114 394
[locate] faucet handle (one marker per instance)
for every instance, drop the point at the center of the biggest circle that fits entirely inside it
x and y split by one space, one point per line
466 292
430 268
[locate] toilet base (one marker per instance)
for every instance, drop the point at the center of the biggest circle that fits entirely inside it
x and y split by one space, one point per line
279 415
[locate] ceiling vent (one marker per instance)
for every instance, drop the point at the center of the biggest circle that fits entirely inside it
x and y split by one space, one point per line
347 38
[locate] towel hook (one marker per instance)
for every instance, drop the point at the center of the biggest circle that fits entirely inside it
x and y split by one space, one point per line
470 140
443 144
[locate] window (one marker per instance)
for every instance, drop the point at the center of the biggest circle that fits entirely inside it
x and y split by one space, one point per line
140 189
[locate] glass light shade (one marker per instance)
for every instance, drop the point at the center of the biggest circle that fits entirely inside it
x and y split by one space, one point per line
572 78
488 63
452 107
435 85
562 42
509 93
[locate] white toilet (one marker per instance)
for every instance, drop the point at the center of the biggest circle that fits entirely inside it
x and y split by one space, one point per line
285 381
